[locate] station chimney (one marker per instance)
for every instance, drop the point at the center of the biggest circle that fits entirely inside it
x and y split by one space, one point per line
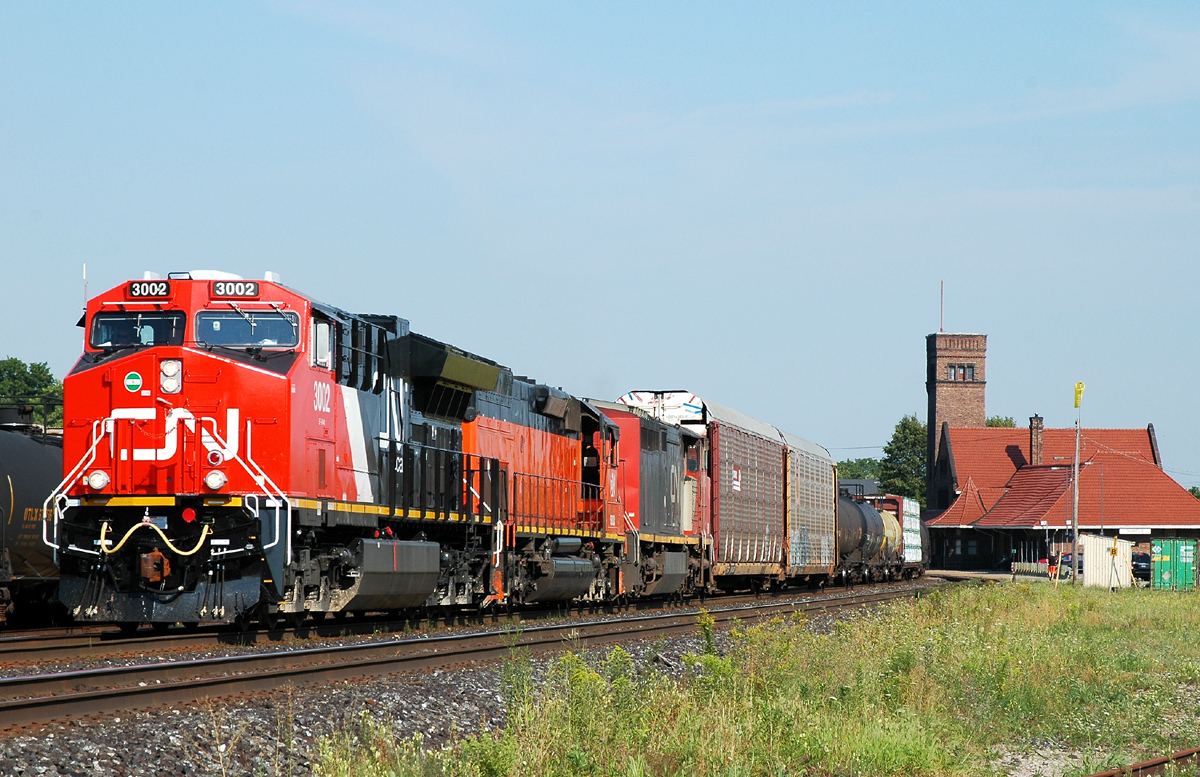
1035 440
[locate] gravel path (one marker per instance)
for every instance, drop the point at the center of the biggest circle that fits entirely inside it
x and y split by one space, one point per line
275 734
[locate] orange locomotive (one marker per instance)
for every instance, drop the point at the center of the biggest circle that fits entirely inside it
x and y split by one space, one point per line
235 450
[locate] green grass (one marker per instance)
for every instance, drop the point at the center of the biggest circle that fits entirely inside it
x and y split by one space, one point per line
919 687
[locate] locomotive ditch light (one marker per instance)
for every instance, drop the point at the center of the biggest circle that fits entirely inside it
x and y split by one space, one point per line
214 479
97 480
171 379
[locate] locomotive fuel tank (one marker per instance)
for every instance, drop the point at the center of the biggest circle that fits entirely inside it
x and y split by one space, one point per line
30 468
861 532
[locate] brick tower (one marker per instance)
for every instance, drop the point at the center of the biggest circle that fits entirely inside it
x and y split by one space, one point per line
955 381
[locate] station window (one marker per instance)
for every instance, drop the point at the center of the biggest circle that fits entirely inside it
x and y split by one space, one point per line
960 372
972 548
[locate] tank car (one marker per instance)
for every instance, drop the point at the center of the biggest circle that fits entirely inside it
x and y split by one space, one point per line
30 469
907 513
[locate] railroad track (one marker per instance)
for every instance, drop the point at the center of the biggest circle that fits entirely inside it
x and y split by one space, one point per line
41 698
1183 762
75 643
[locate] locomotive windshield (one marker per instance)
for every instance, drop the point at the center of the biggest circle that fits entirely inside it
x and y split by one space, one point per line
248 329
122 330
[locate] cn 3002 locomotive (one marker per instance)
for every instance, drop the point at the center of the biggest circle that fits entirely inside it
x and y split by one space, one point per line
235 450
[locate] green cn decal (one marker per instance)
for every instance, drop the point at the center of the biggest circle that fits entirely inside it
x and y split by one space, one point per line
133 381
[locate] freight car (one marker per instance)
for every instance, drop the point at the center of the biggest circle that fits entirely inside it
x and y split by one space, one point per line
915 537
775 515
30 468
236 450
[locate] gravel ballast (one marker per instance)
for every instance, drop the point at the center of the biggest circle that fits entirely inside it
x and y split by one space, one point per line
276 734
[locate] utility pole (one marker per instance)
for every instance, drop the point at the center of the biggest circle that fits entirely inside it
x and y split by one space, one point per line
1076 569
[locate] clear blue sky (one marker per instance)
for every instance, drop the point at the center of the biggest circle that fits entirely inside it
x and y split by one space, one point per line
753 202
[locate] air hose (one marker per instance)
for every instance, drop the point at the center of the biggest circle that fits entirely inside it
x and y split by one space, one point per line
207 530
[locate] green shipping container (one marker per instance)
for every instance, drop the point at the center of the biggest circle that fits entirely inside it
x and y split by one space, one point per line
1173 564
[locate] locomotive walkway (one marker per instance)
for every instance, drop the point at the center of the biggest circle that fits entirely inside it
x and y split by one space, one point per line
41 698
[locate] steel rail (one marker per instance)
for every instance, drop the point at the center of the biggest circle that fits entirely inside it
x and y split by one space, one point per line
1184 759
40 698
73 643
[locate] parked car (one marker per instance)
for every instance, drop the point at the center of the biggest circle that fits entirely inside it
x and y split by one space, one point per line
1141 566
1064 565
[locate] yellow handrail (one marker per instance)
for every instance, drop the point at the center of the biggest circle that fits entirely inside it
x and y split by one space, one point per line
207 530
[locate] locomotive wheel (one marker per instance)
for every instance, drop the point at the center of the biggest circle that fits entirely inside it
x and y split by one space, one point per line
158 627
296 619
317 615
267 619
128 629
191 625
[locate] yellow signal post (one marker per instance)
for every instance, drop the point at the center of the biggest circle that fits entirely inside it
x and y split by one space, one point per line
1076 567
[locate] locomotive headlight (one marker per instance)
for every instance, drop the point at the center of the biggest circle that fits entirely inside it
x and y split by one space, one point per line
214 479
98 480
171 378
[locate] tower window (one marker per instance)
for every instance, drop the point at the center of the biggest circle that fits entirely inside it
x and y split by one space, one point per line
960 372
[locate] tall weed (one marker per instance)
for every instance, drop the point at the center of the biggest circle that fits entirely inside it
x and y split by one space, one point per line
920 687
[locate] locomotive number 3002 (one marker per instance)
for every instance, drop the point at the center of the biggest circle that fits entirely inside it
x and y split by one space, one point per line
150 289
321 398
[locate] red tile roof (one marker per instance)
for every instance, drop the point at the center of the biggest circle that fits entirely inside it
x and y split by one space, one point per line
968 508
1117 487
1035 494
990 496
991 455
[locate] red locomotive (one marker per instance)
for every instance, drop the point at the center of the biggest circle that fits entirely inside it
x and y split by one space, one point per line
235 450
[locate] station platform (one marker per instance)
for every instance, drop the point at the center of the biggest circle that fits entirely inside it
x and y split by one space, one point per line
965 574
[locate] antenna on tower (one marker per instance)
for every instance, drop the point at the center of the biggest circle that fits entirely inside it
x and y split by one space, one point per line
942 324
85 285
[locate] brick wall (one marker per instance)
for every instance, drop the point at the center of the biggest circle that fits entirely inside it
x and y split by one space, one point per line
958 400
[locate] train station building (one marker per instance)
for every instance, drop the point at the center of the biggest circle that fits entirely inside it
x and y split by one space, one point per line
999 494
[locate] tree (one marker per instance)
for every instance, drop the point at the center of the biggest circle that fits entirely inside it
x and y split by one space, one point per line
18 379
865 469
902 470
1195 491
1002 421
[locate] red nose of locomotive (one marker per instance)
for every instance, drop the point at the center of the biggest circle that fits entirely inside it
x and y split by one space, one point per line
150 431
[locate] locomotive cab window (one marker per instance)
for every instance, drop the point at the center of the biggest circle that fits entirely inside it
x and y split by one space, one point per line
322 353
120 330
248 329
